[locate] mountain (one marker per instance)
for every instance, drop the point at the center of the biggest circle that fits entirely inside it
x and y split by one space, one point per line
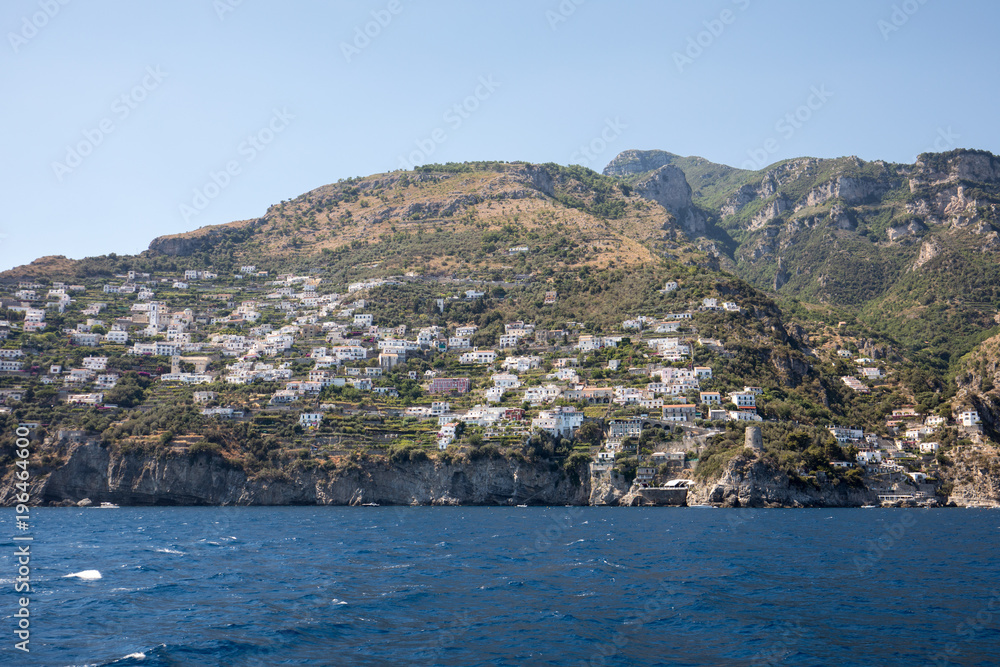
781 282
909 250
437 220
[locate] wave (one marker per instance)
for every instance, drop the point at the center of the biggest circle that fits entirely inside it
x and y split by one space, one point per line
86 575
171 551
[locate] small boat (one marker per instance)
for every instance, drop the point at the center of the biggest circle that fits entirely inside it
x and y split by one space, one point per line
107 506
869 507
369 504
522 505
702 506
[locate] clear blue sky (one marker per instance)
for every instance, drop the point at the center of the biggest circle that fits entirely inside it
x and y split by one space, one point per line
116 112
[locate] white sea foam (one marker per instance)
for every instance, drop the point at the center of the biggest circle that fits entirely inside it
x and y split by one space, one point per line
88 575
337 601
171 551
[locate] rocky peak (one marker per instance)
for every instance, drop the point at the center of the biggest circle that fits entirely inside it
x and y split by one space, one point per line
632 162
958 165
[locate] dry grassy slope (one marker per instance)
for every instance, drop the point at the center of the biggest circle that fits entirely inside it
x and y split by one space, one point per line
50 265
463 205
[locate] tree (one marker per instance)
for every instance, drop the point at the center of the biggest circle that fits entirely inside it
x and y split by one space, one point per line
590 432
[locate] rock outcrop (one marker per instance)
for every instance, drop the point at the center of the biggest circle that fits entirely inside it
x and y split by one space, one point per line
608 489
182 245
974 474
632 162
668 187
754 481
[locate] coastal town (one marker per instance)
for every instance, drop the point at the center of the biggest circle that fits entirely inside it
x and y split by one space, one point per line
324 366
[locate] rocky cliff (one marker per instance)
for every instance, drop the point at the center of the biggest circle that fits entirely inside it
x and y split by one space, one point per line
668 187
105 475
753 481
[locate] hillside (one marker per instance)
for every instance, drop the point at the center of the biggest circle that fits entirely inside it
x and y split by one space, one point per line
553 303
910 250
439 220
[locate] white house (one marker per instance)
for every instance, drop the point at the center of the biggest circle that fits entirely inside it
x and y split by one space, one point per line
589 343
506 381
744 416
710 397
310 419
544 394
846 434
510 340
521 364
116 336
668 327
869 457
560 422
85 399
969 418
744 400
478 357
349 352
95 363
106 381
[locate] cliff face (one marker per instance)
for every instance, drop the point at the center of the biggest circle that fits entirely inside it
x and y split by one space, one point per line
608 490
182 245
753 482
668 187
103 475
975 477
131 479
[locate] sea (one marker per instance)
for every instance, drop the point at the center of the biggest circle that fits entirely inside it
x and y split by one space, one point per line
503 586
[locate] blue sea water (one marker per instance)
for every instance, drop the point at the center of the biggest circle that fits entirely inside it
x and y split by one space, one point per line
506 586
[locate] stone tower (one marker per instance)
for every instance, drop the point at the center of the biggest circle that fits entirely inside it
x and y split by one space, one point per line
753 439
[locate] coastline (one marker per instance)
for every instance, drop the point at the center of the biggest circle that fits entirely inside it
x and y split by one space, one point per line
102 475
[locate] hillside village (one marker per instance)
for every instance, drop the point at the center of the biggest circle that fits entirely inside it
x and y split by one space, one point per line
322 370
